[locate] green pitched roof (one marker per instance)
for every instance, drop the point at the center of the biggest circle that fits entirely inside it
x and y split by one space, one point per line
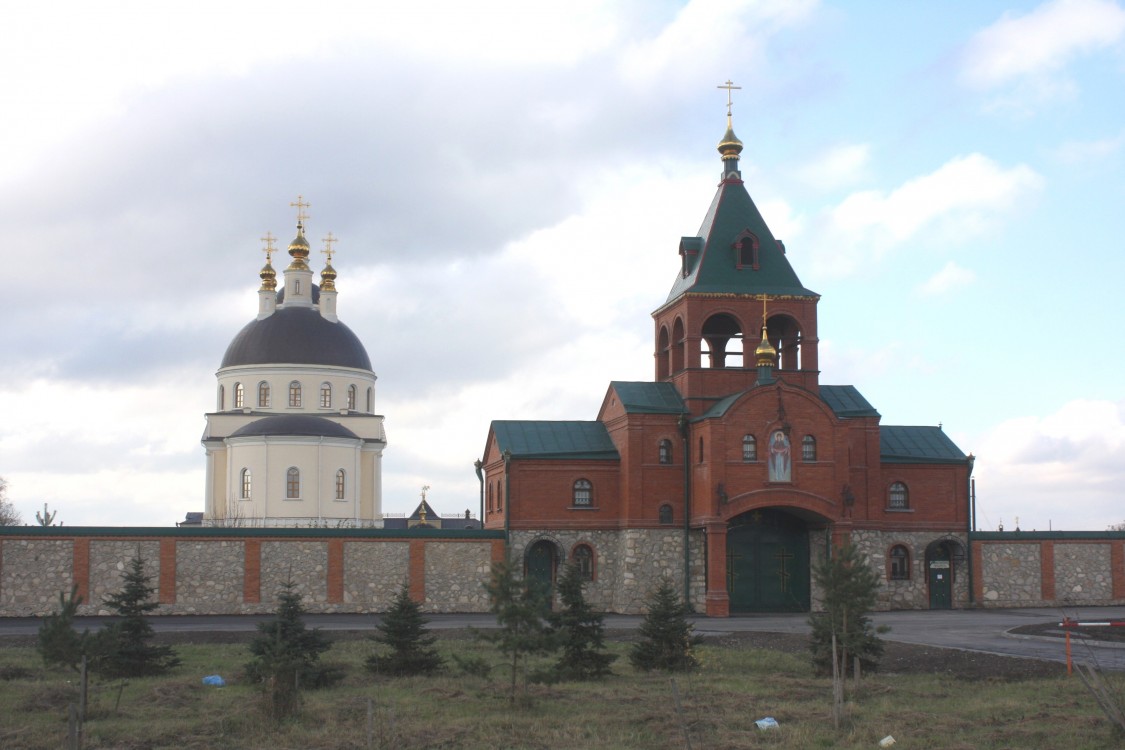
898 444
542 439
846 401
714 270
649 398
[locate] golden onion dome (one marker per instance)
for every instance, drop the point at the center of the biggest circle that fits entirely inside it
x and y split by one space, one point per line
328 279
765 354
269 277
299 251
730 147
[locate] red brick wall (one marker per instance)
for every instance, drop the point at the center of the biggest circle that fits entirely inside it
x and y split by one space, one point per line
252 578
167 593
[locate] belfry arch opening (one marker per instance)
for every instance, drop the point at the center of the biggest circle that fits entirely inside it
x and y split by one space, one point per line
721 344
663 355
785 334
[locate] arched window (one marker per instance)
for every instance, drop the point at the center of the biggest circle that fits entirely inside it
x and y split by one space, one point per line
294 394
490 497
370 400
665 451
700 450
749 448
721 345
222 398
663 354
263 394
351 397
326 395
583 493
499 496
341 484
244 492
747 251
808 448
666 514
583 559
238 395
293 483
900 563
897 497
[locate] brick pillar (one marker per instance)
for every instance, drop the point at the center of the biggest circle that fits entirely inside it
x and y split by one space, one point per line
417 573
335 571
252 572
81 567
717 599
977 551
498 550
1047 570
167 593
1117 566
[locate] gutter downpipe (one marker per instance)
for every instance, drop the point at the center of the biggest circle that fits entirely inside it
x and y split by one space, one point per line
973 527
507 501
479 466
683 425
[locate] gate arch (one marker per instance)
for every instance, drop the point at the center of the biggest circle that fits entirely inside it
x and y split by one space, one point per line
768 562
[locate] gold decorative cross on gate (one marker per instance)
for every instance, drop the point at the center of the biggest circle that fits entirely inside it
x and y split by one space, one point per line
782 574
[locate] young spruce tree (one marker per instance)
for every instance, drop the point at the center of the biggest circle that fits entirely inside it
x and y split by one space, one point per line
667 641
59 643
520 606
123 648
850 587
403 629
286 654
580 631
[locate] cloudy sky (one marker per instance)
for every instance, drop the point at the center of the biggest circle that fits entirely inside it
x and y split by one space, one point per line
509 183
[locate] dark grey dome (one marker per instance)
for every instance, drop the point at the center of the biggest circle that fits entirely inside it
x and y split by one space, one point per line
295 424
296 335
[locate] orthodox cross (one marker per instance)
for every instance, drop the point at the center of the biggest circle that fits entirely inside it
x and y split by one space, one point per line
729 86
328 241
765 299
269 248
301 205
783 557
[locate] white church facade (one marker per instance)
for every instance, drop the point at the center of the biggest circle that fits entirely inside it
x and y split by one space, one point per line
294 439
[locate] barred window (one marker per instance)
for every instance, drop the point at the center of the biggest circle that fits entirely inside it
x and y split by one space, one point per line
666 514
898 497
900 563
583 558
749 448
808 448
583 492
665 451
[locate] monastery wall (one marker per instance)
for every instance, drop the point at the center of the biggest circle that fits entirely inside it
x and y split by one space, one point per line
1049 569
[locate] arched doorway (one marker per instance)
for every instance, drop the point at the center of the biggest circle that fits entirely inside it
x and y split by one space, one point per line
940 556
768 562
541 564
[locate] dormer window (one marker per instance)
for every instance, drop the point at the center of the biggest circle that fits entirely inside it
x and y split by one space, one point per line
746 251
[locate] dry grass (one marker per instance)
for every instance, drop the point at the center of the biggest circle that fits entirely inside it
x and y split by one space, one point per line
735 686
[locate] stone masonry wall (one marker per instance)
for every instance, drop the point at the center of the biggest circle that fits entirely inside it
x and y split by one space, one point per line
109 561
375 573
32 574
1011 575
209 577
911 593
1082 574
455 572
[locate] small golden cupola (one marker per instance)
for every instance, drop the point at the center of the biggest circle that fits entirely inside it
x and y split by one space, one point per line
730 147
299 250
765 354
267 274
328 275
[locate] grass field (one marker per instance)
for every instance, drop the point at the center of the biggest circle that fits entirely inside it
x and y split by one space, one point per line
718 706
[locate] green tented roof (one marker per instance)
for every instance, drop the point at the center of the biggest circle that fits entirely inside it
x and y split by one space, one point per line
899 444
846 401
715 271
543 439
649 398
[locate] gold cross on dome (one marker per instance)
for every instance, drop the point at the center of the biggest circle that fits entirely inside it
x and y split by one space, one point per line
328 242
269 248
765 299
729 86
301 205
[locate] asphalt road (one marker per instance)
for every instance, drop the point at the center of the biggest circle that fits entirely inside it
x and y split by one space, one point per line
971 630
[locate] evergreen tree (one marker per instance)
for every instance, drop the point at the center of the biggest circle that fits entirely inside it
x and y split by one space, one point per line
403 629
59 643
849 587
520 606
666 641
286 654
581 632
122 649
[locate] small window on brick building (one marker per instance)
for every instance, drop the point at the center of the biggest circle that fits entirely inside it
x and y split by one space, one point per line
749 448
808 448
665 451
583 559
666 514
900 563
490 497
700 450
897 497
583 493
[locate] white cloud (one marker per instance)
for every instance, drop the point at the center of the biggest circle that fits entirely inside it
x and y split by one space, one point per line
949 278
838 167
1041 42
1081 152
1065 469
959 199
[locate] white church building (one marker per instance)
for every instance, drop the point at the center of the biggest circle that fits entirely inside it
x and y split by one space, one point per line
294 440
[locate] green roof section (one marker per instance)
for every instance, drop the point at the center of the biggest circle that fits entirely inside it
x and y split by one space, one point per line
715 271
247 532
648 398
846 401
911 445
546 439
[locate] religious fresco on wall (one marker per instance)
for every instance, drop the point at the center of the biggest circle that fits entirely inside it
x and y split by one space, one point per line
780 466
